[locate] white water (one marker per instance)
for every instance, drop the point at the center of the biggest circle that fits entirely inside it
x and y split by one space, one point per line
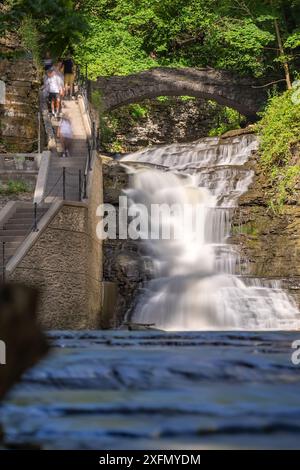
196 284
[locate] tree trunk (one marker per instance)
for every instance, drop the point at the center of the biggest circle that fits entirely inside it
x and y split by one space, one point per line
282 53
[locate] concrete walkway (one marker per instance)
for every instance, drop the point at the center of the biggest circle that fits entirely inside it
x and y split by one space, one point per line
73 164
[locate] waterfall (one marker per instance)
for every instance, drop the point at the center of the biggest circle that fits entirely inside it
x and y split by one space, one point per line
197 278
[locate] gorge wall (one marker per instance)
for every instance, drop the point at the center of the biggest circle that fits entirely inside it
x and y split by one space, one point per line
269 241
158 122
19 112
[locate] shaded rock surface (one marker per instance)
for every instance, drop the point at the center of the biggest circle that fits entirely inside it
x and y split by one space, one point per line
166 122
18 115
20 332
269 241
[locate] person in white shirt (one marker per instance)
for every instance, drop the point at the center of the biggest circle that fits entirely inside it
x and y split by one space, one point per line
54 88
58 67
65 133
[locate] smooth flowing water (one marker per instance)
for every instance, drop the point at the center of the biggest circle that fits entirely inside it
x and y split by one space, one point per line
152 390
197 281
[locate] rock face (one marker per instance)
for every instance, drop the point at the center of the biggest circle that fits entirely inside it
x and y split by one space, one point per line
163 122
19 113
269 242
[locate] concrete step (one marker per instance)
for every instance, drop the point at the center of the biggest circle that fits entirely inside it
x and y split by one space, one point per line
23 219
30 209
9 248
17 226
11 239
13 233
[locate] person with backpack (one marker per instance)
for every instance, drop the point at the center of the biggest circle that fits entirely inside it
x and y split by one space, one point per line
48 62
69 75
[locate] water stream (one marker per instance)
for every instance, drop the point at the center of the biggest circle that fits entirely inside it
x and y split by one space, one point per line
197 280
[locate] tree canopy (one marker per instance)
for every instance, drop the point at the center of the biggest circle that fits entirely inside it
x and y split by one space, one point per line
240 35
250 37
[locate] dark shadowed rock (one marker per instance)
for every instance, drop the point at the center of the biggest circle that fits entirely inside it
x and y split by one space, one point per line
25 344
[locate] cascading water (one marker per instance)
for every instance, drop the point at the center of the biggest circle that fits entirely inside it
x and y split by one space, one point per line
197 282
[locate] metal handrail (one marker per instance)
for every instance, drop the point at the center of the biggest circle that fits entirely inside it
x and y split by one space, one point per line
92 142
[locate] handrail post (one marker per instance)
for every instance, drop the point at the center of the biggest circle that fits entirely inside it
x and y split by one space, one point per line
93 135
98 140
84 187
89 155
79 186
64 183
3 262
35 229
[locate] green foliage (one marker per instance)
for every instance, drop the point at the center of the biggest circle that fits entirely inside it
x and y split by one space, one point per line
138 112
14 187
163 99
187 98
127 36
30 39
59 23
246 229
228 119
111 49
279 132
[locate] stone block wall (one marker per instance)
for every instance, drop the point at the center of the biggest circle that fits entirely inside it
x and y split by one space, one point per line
94 254
62 263
19 113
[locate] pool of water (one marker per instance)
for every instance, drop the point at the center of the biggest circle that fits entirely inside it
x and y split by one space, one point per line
151 390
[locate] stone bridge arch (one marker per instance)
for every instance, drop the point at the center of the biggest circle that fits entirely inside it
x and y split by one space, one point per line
239 93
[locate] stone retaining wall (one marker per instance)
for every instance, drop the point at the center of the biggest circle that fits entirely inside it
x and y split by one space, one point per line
64 261
19 113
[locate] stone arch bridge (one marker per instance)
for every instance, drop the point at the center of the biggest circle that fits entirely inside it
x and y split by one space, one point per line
240 93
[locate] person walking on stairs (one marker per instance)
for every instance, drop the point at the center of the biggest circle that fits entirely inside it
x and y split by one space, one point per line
54 88
48 62
58 69
65 133
69 73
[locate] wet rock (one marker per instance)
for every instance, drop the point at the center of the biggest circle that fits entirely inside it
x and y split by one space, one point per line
115 180
237 132
269 241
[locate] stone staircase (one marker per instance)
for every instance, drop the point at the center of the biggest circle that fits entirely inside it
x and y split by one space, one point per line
20 223
72 164
16 229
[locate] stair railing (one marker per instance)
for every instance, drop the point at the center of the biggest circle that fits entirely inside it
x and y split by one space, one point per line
92 141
